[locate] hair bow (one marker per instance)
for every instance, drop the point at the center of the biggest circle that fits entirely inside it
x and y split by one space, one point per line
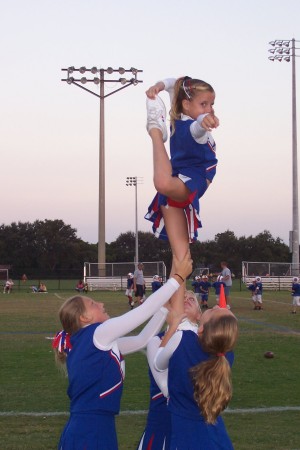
62 342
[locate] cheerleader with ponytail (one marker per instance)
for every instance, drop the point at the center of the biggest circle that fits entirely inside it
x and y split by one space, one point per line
91 347
199 380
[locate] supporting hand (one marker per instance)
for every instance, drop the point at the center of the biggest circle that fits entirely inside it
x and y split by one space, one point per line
154 90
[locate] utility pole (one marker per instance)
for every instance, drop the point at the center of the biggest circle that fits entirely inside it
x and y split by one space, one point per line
101 80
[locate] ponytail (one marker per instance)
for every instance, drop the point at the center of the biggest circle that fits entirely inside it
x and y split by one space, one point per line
212 378
69 315
212 387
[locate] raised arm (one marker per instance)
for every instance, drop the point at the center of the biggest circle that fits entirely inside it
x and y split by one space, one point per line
163 355
130 344
112 329
106 333
165 85
160 377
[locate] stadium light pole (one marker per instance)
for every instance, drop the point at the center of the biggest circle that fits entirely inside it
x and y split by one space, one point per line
285 49
134 181
101 79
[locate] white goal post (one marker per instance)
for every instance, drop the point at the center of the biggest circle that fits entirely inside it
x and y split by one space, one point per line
274 275
113 276
4 274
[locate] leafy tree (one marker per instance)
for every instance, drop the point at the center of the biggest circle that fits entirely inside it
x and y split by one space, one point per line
52 245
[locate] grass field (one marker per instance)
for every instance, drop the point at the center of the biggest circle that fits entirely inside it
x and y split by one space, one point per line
31 388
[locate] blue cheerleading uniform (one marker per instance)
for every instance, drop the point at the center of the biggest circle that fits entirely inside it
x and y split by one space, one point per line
189 430
157 434
96 371
95 389
195 164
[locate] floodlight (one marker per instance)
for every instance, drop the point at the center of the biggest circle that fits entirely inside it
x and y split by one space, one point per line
96 80
83 80
287 58
121 70
122 80
133 71
70 80
82 69
109 70
279 43
71 69
94 70
272 50
286 43
272 43
280 51
134 81
271 58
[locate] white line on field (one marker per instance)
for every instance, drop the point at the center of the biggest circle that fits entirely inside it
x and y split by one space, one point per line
143 412
58 296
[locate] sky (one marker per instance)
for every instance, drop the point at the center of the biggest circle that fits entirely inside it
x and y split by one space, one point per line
49 136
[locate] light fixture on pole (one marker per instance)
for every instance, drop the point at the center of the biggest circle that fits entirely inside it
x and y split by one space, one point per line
134 181
285 50
101 80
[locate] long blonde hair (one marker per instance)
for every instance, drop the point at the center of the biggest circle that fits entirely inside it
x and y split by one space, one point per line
185 88
212 378
69 315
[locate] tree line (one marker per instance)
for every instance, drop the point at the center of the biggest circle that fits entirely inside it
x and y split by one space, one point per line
52 247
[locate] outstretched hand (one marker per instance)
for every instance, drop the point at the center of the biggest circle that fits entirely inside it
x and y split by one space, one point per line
183 267
210 121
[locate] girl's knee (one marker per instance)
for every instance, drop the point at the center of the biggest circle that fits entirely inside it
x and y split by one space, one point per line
162 184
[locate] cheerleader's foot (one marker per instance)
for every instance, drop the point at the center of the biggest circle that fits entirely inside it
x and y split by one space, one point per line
156 116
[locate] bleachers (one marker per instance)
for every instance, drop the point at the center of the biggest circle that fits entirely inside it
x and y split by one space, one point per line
272 283
111 283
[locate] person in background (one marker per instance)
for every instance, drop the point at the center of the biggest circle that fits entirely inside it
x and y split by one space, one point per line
129 289
42 288
24 278
204 291
196 286
156 283
217 286
295 294
226 274
256 289
8 286
79 286
139 283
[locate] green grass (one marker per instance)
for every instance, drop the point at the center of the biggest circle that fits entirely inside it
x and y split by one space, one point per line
30 382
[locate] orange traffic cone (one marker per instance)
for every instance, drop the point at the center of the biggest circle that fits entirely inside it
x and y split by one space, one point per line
222 299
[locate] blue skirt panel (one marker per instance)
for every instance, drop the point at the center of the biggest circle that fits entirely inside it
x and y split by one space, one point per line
188 434
157 434
89 432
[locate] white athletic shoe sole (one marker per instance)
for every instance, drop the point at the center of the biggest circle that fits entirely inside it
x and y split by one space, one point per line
156 116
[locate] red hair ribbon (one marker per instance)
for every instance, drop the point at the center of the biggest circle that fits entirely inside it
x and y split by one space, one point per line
62 342
220 354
